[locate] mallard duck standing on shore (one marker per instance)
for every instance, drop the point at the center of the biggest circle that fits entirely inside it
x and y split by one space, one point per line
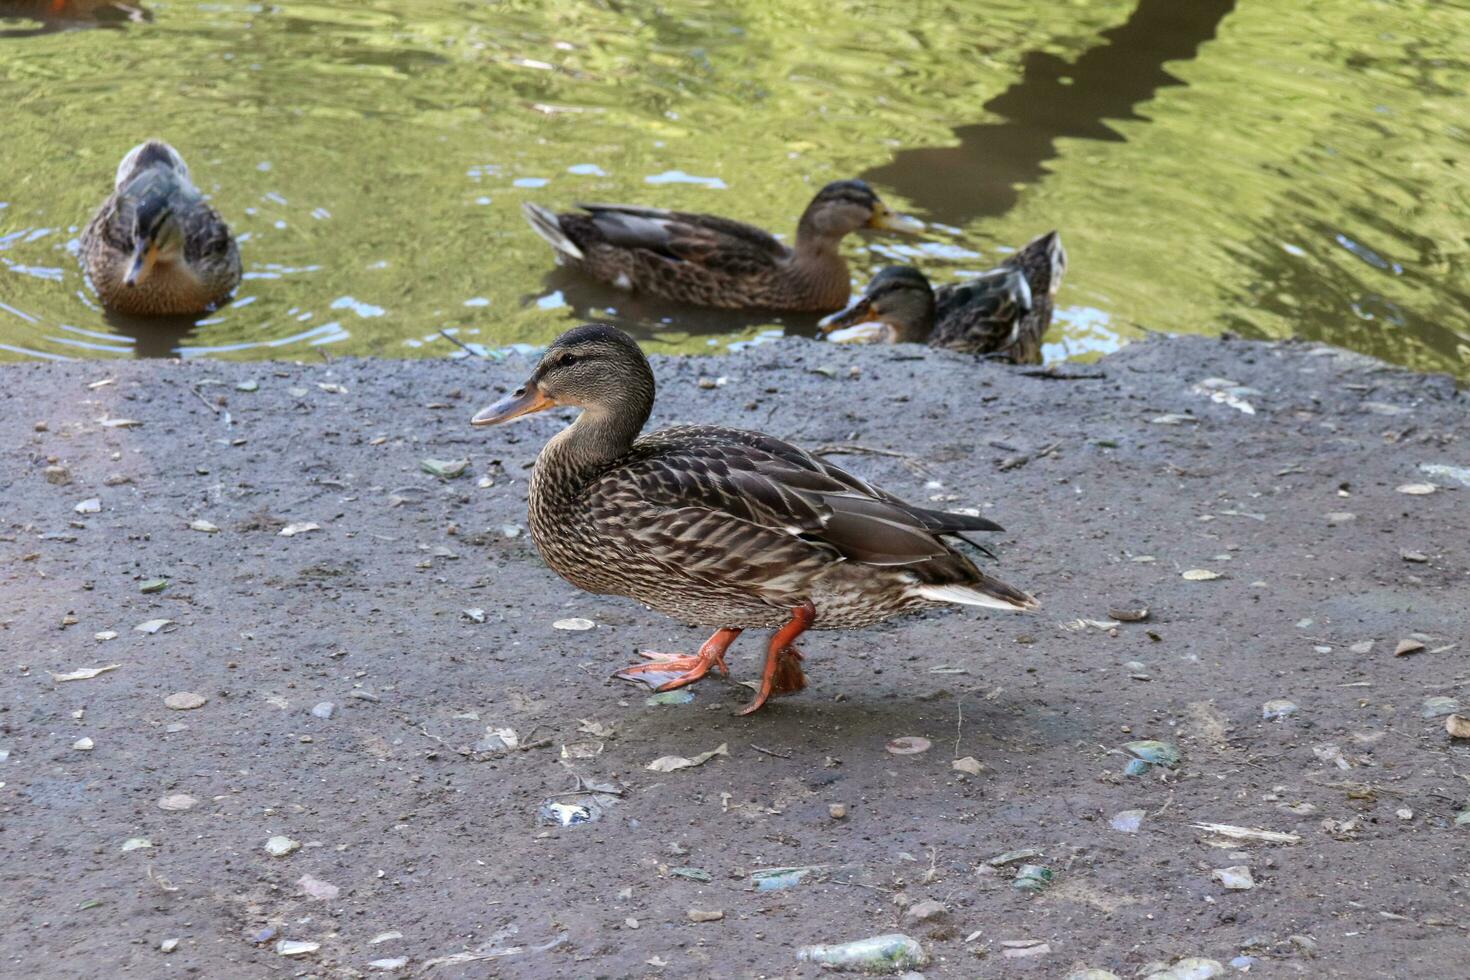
1004 311
155 248
723 528
706 260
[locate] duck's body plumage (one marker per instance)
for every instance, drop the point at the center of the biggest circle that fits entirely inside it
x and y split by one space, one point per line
198 271
707 260
727 528
1004 311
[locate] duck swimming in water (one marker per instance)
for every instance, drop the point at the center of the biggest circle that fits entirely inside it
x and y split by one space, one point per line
706 260
1004 311
155 247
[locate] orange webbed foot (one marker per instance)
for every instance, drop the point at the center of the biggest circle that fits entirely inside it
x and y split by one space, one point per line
669 671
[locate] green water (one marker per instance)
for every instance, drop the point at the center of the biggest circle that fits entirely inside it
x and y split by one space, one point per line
1271 167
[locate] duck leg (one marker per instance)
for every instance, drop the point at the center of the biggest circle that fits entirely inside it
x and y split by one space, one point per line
782 673
667 671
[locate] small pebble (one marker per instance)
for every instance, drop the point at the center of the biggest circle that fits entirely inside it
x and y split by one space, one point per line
185 701
705 915
168 945
837 811
280 846
323 710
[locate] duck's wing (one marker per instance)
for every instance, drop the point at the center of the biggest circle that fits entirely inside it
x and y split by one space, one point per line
980 316
703 239
698 495
207 239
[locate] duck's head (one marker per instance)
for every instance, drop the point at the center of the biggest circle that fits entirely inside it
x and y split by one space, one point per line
844 206
595 367
896 308
152 184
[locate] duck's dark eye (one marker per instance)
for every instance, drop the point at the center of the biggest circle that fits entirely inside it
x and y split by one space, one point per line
567 360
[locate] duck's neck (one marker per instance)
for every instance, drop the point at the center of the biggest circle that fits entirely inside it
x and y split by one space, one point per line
820 268
599 437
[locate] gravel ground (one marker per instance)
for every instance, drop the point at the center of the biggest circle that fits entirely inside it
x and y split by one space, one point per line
1279 552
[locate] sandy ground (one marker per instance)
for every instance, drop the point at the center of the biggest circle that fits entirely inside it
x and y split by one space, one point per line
400 816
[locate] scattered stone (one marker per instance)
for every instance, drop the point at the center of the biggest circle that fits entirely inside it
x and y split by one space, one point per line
116 479
318 889
185 701
1236 878
969 765
280 846
1278 708
294 947
1362 646
89 506
1416 489
1341 517
1458 726
1132 611
134 843
473 615
1193 968
82 744
1093 975
390 965
105 635
705 915
168 945
385 937
204 527
1011 857
323 710
576 624
152 626
924 911
1147 753
1438 707
1406 647
178 802
57 475
298 527
837 811
1127 821
1418 557
1200 575
908 745
1018 949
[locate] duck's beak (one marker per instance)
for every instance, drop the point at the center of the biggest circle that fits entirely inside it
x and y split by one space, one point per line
858 311
145 256
890 220
525 400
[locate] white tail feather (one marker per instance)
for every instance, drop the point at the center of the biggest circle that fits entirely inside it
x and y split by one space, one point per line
544 223
966 596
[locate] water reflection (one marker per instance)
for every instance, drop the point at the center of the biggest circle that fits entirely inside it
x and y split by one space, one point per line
984 175
1299 174
60 15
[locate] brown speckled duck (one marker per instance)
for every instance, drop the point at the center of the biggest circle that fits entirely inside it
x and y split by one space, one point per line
723 528
155 248
1004 311
705 260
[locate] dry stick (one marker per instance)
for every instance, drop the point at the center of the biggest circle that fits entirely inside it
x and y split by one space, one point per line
762 751
204 401
460 344
959 721
853 449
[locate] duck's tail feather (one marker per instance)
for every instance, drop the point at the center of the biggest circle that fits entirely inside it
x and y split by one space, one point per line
545 223
987 592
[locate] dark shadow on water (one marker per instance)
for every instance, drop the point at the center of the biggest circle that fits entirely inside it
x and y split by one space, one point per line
646 317
154 336
1054 99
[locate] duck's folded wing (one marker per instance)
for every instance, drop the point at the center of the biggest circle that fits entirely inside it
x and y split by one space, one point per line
700 238
982 311
706 502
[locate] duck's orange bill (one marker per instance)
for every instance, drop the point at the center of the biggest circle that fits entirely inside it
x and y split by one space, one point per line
860 311
523 401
